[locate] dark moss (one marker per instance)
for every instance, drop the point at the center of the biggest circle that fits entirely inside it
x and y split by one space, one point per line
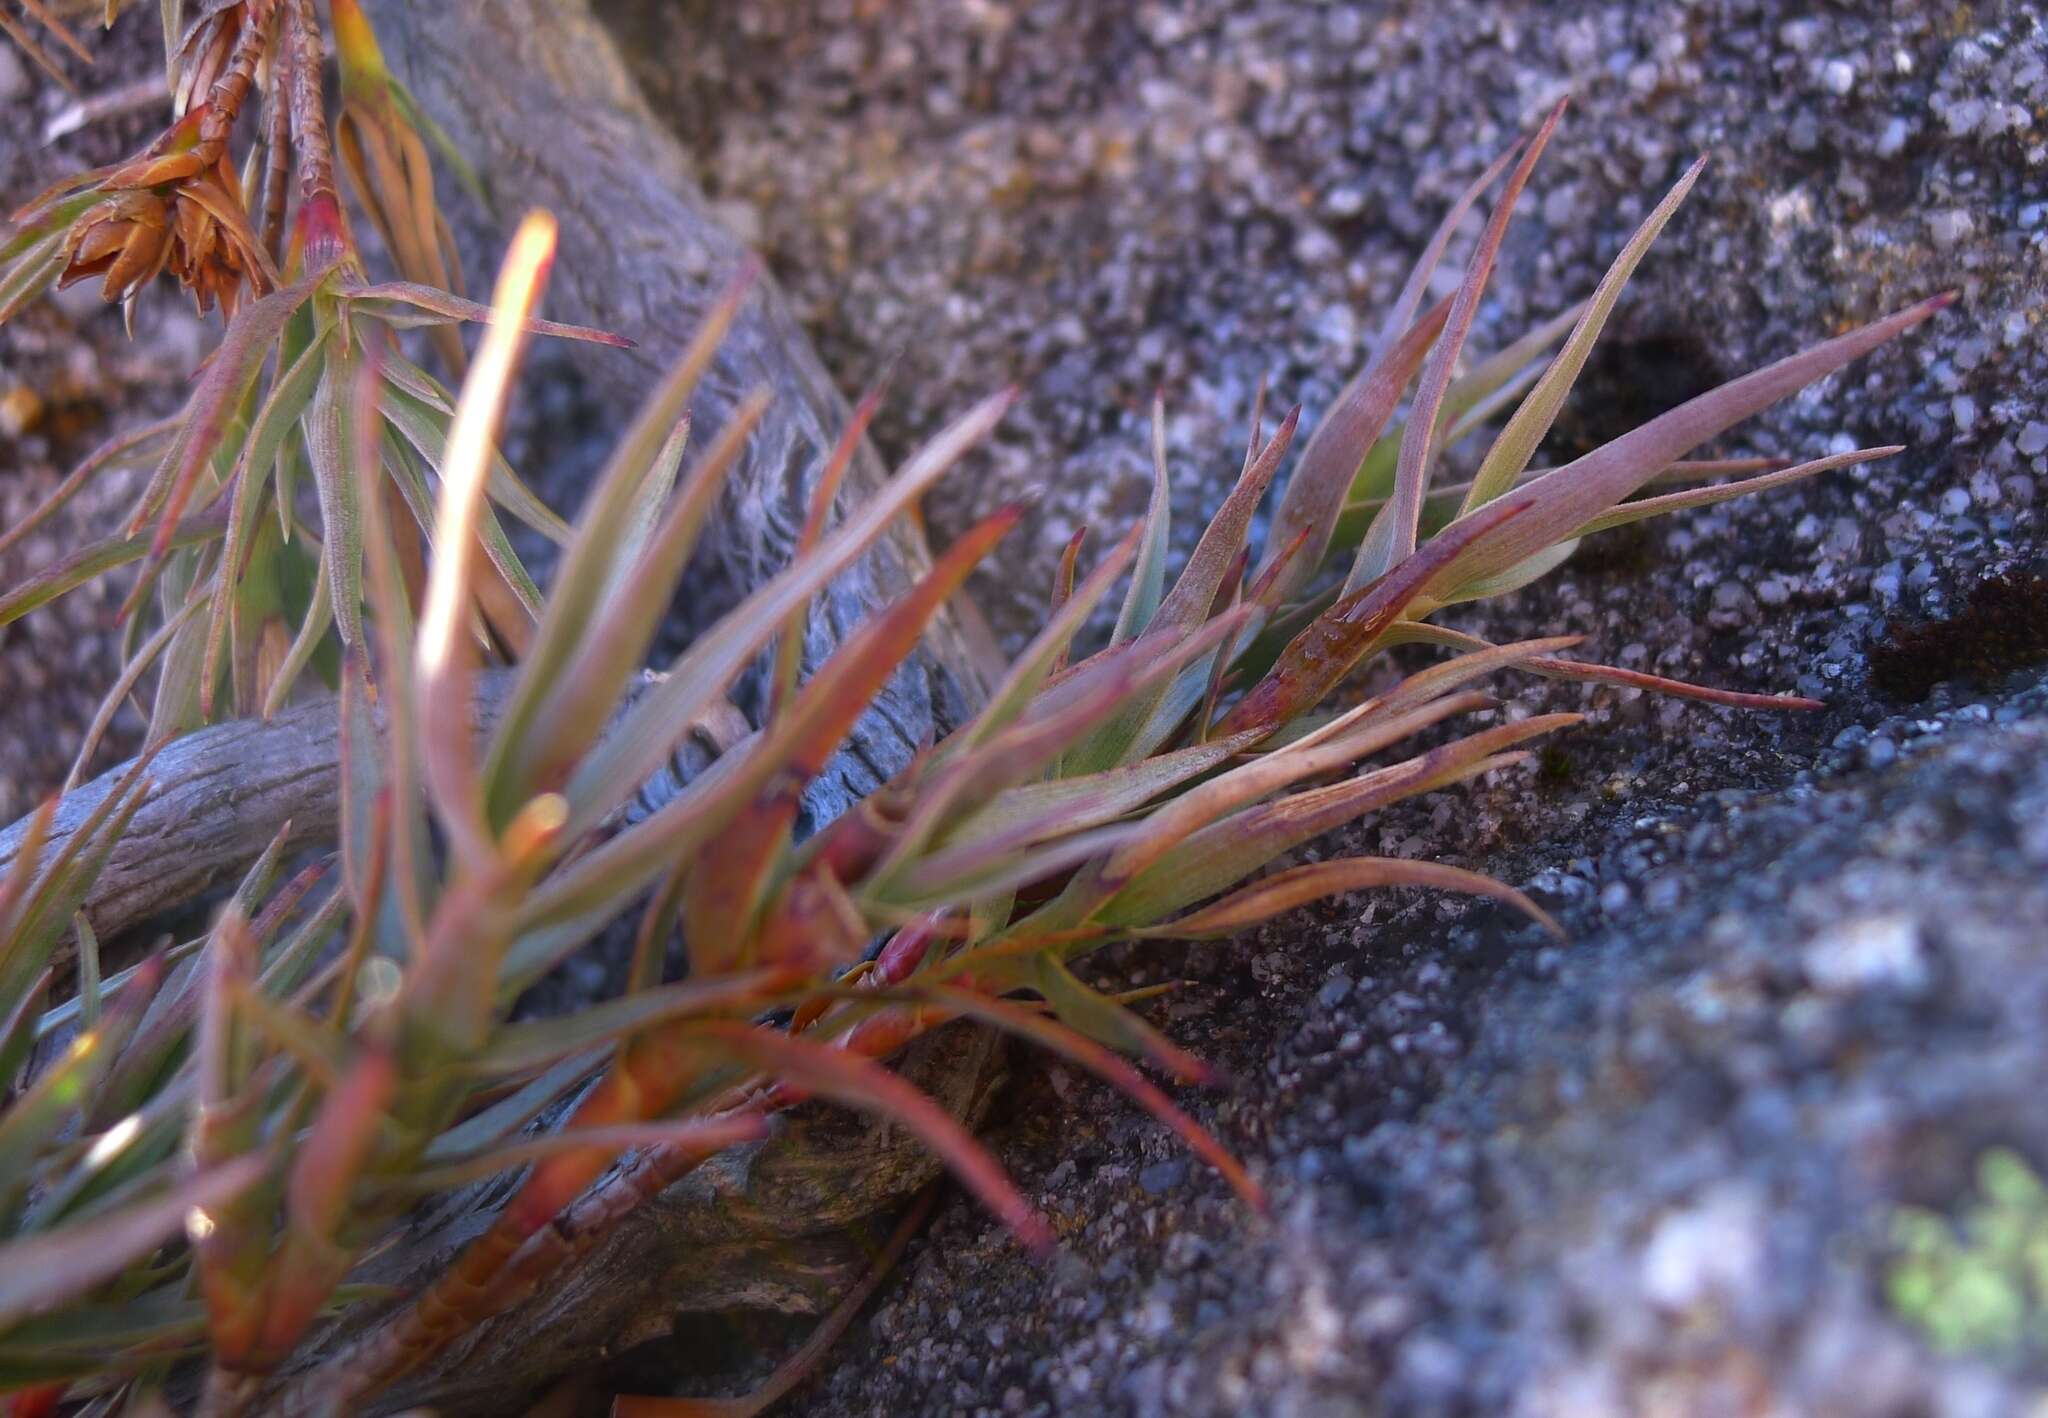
2003 627
1554 767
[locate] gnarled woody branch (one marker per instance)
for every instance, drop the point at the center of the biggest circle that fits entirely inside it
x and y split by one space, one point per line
221 794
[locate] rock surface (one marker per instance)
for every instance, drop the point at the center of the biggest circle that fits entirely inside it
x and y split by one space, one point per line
1653 1170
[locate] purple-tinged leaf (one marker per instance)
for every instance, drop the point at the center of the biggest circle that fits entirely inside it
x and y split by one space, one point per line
1321 481
1228 851
1195 593
112 453
1579 671
1085 1053
1561 501
1319 658
102 556
1629 512
1391 537
789 646
1298 886
727 883
1402 311
1518 441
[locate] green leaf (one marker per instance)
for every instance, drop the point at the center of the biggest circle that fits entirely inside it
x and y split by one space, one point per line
658 719
227 381
426 428
102 556
334 480
1108 1023
43 1271
1149 580
40 265
564 713
585 571
59 1093
541 1043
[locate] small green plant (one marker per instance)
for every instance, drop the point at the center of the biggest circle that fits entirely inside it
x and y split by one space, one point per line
244 1117
1980 1285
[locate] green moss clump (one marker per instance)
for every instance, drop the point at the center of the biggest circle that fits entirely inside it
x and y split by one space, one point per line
1980 1287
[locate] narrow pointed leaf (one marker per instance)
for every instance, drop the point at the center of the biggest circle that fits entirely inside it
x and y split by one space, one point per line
1319 658
228 376
726 885
1086 1053
1571 496
1647 507
95 558
1412 291
43 1271
1541 663
1518 441
1108 1023
1392 535
1322 480
1149 578
581 579
659 717
847 1078
572 710
1298 886
391 300
1225 853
